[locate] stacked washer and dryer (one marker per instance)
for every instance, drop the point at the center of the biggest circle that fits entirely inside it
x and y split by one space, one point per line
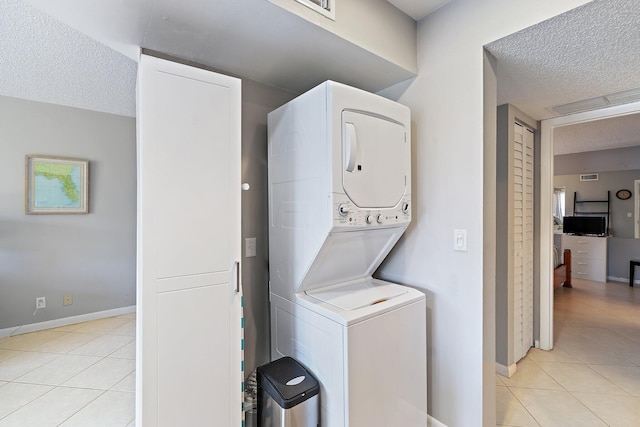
339 200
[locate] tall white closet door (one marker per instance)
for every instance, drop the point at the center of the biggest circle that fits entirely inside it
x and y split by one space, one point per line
522 240
189 314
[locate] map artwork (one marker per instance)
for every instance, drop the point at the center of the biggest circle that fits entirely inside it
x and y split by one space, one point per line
57 185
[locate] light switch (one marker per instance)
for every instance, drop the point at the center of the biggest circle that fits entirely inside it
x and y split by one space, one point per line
460 240
250 247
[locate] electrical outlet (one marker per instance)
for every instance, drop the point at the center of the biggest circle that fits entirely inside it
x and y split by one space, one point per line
41 302
67 300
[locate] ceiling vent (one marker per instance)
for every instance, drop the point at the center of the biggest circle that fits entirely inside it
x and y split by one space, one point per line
625 97
618 98
589 177
324 7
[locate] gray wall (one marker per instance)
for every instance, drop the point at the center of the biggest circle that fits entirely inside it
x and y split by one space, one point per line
622 246
257 101
597 161
89 256
93 256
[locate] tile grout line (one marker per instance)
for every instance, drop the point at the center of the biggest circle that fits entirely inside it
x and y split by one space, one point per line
605 334
68 353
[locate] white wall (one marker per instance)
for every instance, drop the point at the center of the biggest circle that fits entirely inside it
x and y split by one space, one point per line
375 25
447 103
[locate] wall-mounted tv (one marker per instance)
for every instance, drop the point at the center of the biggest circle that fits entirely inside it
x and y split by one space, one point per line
584 225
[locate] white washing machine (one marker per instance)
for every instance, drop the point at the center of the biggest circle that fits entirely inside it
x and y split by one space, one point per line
339 200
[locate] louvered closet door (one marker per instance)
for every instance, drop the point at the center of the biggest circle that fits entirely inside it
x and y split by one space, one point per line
522 240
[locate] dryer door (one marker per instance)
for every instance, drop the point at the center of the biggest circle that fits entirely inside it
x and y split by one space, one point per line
375 160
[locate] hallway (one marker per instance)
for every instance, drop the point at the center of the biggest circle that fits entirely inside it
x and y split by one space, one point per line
592 376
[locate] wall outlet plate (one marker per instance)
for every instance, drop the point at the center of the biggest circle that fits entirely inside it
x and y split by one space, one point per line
41 302
67 300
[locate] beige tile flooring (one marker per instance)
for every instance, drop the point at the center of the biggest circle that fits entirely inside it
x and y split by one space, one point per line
592 376
76 375
84 374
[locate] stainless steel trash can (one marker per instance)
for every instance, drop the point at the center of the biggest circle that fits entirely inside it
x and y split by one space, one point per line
288 395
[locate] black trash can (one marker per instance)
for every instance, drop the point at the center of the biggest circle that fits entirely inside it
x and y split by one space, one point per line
288 395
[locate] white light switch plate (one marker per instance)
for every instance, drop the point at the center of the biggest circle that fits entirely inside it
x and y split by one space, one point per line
250 247
460 240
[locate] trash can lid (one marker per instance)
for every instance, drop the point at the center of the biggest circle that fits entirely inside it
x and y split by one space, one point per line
287 381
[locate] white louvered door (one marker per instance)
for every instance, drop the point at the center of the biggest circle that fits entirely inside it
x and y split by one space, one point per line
523 153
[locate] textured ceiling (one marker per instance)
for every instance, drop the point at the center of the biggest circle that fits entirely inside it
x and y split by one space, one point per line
617 132
590 51
44 60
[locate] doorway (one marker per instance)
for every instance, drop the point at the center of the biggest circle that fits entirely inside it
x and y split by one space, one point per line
546 207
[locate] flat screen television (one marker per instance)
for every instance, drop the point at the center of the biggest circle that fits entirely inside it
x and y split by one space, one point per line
583 225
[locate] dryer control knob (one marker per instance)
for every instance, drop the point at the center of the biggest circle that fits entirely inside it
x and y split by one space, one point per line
379 219
343 210
368 219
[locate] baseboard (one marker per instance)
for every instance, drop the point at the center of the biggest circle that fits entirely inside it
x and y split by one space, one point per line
432 422
506 371
56 323
622 279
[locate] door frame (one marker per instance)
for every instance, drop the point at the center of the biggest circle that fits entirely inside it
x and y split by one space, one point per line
636 208
546 214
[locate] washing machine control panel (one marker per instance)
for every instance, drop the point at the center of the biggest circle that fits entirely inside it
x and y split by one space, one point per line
347 214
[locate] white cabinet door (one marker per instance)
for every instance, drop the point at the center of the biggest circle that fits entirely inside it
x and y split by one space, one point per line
189 314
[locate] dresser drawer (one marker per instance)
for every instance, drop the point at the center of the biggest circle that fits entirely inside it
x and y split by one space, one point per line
589 269
586 246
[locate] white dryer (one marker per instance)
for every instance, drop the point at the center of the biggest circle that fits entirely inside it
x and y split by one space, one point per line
339 200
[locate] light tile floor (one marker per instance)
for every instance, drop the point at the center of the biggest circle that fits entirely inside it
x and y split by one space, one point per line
76 375
84 374
592 376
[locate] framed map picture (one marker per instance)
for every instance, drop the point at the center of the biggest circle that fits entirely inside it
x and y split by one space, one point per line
56 185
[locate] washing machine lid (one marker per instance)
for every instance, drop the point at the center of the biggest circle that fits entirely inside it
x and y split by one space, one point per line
375 156
357 295
347 256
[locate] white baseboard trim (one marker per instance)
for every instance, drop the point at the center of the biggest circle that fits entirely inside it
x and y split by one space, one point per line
623 279
506 371
7 332
432 422
56 323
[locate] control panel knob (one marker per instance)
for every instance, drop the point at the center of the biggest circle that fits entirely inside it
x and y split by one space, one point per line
405 208
379 219
343 209
368 219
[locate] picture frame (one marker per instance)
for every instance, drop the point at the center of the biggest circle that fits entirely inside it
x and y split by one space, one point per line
56 185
